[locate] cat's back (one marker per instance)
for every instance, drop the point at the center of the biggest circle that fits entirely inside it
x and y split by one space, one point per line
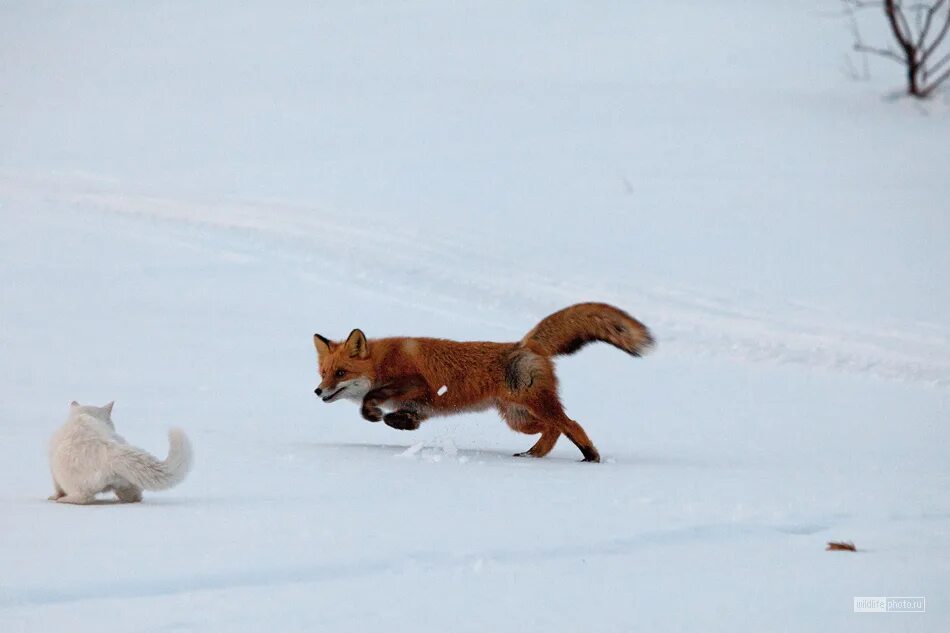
78 433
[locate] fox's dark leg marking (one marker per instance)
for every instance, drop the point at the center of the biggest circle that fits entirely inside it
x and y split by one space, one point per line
371 412
404 420
410 389
522 369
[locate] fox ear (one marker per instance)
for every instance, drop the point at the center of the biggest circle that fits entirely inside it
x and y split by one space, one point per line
73 404
322 344
109 406
356 344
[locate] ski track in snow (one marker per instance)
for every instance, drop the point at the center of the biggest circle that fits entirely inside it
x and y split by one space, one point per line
685 321
133 589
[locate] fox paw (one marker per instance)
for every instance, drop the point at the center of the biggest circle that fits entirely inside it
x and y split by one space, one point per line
591 455
402 420
526 454
373 414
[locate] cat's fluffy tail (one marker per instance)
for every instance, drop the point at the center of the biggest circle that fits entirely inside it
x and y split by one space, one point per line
145 471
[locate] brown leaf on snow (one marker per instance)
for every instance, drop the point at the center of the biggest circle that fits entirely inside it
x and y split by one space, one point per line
841 546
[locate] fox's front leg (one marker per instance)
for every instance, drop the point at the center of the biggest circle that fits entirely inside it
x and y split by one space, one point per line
371 411
411 388
404 419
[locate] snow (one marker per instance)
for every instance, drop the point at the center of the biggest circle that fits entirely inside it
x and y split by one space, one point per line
188 192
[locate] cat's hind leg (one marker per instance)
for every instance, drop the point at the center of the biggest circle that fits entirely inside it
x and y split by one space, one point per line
58 492
128 493
77 498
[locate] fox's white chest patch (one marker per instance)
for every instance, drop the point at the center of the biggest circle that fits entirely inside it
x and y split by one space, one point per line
353 395
356 389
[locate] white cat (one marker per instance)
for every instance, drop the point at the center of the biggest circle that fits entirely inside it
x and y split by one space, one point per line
87 457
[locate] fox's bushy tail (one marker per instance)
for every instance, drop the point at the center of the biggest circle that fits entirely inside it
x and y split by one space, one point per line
570 329
145 471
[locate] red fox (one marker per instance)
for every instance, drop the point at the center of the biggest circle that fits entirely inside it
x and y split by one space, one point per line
417 378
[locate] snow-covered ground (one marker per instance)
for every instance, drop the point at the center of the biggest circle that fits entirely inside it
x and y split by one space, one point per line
189 191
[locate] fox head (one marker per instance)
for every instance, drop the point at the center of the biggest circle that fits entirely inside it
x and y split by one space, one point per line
346 370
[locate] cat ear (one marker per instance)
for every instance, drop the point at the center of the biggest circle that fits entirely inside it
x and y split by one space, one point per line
73 404
109 406
356 344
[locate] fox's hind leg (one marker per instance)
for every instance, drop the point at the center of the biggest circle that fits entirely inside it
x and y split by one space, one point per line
532 386
547 406
543 446
520 419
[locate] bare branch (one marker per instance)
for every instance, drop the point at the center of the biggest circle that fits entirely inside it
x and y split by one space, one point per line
883 52
849 11
894 17
849 68
936 82
905 27
864 4
913 27
922 30
933 68
855 31
939 37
